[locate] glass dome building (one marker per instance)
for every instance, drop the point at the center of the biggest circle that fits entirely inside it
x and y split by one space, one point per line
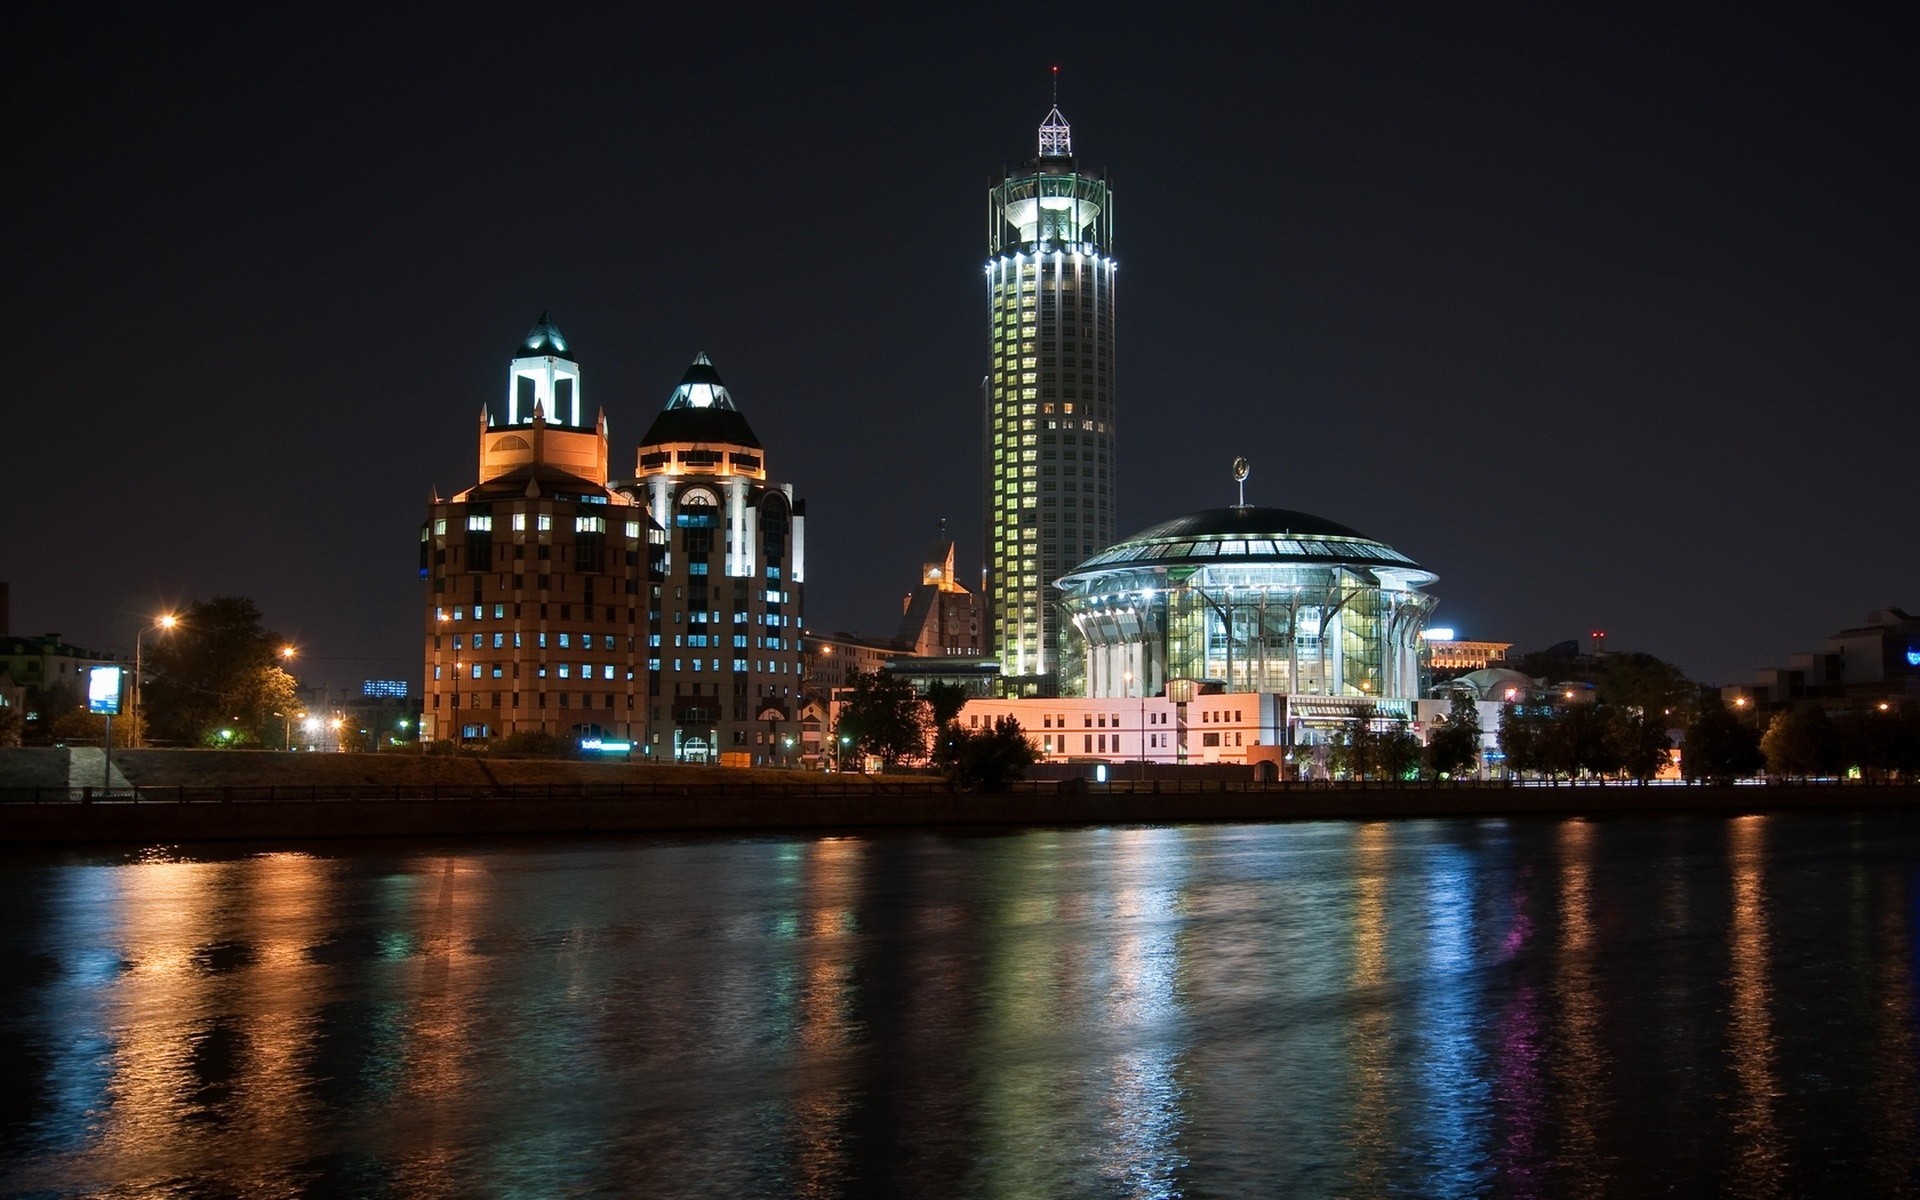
1247 599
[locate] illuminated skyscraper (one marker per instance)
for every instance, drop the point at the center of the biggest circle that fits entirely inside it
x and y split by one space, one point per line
1049 396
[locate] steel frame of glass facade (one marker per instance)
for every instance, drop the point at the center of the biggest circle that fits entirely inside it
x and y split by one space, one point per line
1333 617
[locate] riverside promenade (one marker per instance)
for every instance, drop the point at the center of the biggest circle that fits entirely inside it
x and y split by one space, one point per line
497 801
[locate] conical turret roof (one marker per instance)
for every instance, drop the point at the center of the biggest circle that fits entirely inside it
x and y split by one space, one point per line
545 340
701 410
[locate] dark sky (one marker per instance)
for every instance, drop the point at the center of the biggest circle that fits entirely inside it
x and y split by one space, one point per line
1607 315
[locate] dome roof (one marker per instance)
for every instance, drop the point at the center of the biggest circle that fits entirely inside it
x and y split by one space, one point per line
1249 535
700 410
545 340
1491 683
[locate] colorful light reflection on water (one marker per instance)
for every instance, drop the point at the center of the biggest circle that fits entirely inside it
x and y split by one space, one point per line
1545 1008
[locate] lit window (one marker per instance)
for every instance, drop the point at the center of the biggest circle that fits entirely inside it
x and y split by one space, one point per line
520 522
440 525
546 522
480 521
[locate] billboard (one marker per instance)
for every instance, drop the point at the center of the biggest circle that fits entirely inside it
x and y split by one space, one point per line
105 686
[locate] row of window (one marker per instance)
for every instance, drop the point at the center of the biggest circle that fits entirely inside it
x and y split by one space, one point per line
563 699
543 523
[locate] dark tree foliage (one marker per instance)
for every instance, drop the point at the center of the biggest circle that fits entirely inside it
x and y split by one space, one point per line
532 743
881 717
1454 748
218 669
1804 744
1643 746
984 760
1621 680
1584 740
10 724
944 702
1720 746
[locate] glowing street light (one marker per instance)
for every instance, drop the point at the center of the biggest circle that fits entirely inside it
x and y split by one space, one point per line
163 624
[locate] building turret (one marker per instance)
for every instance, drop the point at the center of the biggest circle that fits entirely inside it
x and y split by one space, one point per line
541 426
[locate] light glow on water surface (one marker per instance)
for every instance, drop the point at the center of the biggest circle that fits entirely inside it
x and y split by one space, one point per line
1518 1008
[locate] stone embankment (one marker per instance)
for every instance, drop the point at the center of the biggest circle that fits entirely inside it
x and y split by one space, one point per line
759 804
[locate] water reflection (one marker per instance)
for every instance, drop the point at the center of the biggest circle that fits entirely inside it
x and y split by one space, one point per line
1750 1033
1581 1061
1436 1008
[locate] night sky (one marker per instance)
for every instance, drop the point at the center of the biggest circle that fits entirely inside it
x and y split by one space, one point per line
1606 315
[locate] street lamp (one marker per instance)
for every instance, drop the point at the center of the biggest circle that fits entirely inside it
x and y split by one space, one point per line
163 624
286 656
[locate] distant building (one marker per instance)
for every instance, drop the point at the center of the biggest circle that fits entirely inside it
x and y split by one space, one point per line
538 578
832 659
724 645
1870 663
31 667
939 616
1450 655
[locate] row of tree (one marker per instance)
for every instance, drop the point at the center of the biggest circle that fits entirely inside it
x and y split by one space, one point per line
883 717
214 679
1872 741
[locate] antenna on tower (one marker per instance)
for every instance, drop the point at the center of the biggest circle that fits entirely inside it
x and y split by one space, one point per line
1056 136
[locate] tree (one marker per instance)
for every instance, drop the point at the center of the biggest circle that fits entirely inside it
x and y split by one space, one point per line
1641 740
1454 748
881 717
1367 751
944 702
1802 744
1721 747
984 760
10 723
219 670
1520 739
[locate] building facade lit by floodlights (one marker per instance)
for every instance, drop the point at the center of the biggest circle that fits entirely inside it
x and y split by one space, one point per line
1049 397
725 621
1267 601
536 576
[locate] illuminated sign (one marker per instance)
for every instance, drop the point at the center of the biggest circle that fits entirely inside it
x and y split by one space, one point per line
104 689
1437 635
1913 656
606 746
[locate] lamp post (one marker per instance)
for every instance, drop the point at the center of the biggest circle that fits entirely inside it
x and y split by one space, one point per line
163 624
286 657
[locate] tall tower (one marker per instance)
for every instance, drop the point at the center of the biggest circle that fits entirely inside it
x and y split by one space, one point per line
1049 396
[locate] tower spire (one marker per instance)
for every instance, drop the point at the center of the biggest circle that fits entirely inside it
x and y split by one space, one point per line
1056 136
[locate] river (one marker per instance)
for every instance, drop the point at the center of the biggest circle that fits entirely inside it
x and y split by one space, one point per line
1532 1007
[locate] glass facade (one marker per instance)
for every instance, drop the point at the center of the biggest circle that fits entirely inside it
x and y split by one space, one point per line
1328 615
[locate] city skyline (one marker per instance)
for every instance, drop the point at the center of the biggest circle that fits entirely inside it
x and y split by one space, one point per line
1593 318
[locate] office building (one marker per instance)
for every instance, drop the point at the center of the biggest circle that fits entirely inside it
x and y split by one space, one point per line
1049 396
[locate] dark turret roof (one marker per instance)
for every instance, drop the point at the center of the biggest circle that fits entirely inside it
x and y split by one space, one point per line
701 410
545 340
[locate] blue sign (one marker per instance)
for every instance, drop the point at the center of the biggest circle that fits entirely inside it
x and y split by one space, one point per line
104 689
1913 656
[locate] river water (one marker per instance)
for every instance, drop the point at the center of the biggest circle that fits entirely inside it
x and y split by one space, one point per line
1451 1007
